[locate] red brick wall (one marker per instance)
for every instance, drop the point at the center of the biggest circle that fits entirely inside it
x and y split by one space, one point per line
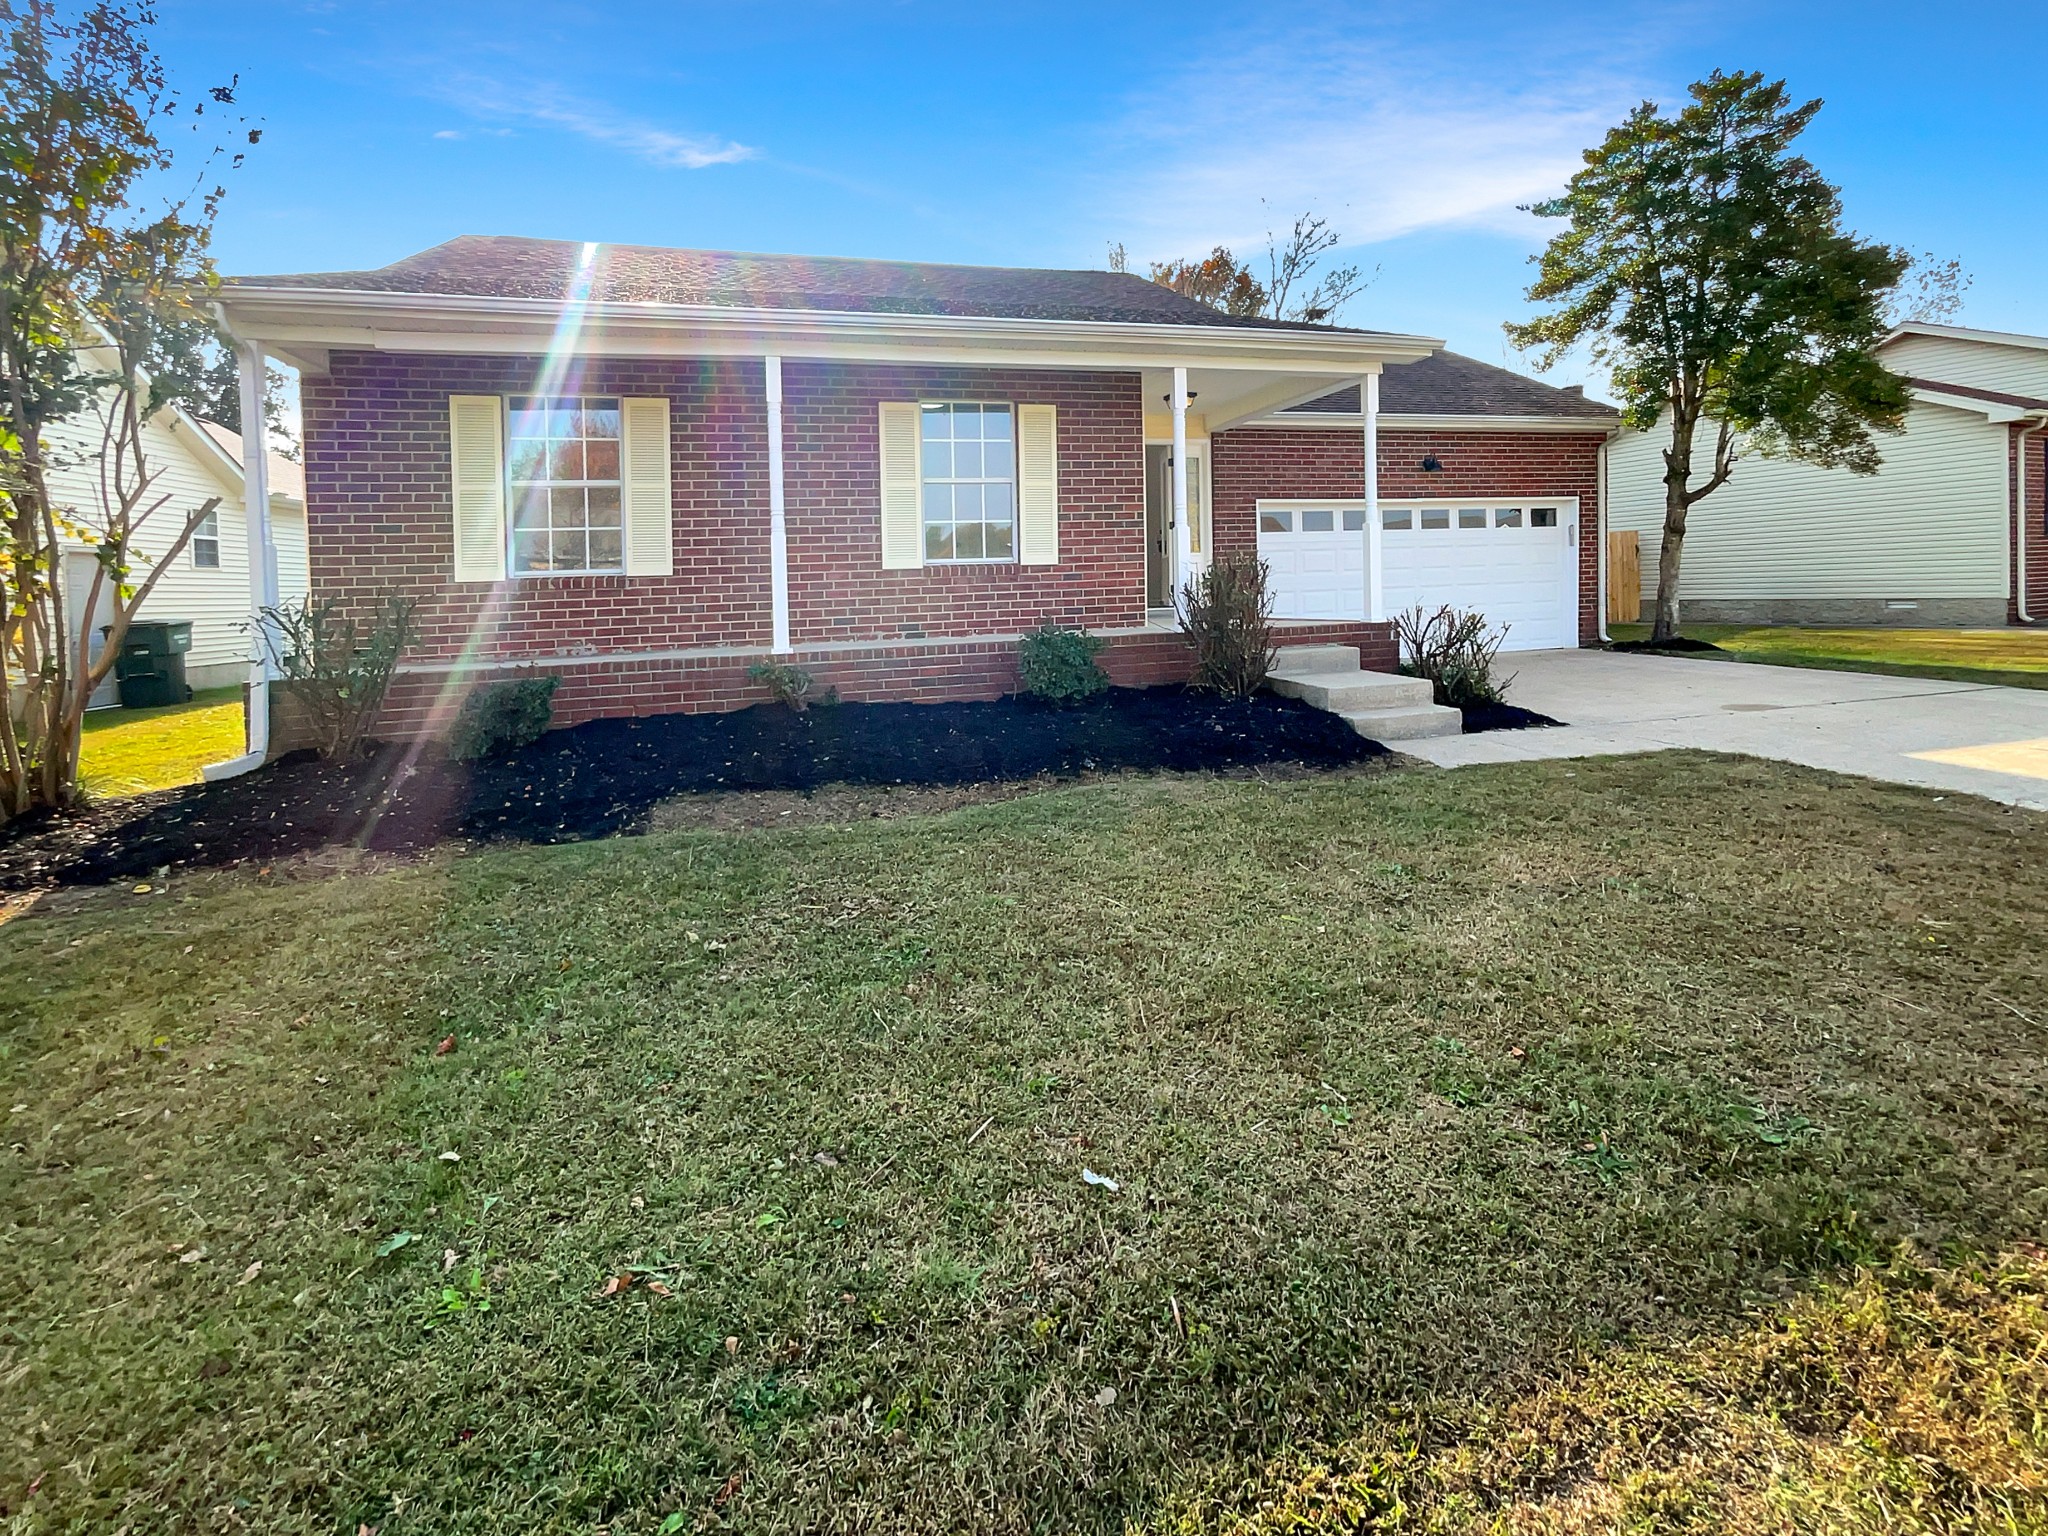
1257 462
378 506
838 588
421 703
2035 516
378 482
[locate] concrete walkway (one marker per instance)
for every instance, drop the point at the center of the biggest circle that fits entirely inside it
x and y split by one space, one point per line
1949 736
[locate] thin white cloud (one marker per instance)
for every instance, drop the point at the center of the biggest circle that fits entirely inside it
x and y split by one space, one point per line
1381 138
646 141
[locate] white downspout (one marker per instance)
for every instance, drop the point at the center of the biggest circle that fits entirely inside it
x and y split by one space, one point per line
263 588
778 524
1178 542
1600 533
2020 520
1375 583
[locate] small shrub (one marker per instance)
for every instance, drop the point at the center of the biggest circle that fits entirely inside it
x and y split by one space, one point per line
1455 650
501 717
337 665
1227 615
1058 664
785 682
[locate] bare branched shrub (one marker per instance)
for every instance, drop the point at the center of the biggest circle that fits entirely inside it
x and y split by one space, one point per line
1455 650
1227 614
338 665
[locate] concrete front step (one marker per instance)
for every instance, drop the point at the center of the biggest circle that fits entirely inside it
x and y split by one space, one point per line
1316 658
1410 723
1384 706
1346 692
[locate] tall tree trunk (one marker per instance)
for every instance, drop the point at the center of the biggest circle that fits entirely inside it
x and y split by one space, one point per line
1677 473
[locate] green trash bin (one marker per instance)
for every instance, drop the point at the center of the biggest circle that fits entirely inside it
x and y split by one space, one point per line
151 667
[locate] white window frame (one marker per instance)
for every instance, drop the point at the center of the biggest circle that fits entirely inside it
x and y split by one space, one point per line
1566 508
205 536
1009 407
512 486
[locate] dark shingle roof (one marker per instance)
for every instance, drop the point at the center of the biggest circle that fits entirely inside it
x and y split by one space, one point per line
1448 384
509 266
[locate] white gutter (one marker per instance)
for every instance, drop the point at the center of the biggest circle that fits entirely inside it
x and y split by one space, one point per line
263 588
1600 532
318 317
2020 518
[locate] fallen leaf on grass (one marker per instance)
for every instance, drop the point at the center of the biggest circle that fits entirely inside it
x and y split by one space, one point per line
447 1045
731 1487
732 1345
616 1285
658 1289
251 1273
394 1242
191 1255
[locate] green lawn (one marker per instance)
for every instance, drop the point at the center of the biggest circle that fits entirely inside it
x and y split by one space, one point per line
2017 658
130 751
1492 1145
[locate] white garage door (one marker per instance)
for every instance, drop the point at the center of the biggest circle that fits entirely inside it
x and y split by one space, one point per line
1515 562
1315 561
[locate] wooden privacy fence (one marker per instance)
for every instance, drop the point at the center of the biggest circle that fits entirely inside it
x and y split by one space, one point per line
1624 577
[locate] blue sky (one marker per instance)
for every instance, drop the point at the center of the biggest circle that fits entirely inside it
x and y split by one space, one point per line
1038 134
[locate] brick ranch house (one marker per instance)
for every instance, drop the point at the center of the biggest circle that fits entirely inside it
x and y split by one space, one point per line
645 470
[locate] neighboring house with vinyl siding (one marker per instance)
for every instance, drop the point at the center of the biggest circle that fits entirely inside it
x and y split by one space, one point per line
206 583
1936 537
644 470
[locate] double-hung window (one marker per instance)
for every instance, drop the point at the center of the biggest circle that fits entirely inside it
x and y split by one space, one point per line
562 472
968 464
206 543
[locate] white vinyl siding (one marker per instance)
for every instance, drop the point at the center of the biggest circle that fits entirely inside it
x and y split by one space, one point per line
215 599
1930 524
1973 364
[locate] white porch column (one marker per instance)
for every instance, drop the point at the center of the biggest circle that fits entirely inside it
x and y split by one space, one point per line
263 590
778 526
1179 541
1375 586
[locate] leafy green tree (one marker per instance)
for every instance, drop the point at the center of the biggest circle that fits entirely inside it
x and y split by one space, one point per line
102 283
1707 265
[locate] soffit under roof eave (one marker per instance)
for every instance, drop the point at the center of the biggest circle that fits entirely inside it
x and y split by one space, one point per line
296 319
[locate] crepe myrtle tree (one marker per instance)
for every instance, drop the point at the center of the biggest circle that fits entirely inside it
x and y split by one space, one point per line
107 203
1706 264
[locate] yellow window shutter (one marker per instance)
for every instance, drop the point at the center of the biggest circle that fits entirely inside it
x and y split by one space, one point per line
476 432
1038 485
648 488
902 488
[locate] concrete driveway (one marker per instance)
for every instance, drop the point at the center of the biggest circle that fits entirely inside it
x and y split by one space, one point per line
1951 736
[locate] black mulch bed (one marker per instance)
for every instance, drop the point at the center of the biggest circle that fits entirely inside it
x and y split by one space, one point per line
1676 645
603 777
1501 717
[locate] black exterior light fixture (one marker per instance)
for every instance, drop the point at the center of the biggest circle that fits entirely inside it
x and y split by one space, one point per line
1193 396
1432 464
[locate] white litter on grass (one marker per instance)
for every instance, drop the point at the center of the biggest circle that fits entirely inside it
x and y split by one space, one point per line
1090 1176
451 1157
